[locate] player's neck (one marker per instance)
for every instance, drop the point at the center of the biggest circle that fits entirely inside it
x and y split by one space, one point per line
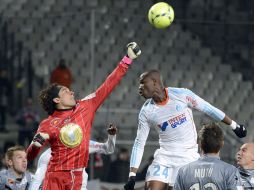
212 154
17 174
248 167
161 97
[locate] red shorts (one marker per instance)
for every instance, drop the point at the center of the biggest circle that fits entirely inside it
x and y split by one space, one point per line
63 180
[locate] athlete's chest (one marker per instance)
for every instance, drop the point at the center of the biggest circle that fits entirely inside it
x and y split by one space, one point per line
172 115
69 131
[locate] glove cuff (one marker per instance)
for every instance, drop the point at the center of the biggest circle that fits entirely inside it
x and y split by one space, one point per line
127 60
132 174
233 125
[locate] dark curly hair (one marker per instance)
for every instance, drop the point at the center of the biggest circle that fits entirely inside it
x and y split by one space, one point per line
211 138
46 97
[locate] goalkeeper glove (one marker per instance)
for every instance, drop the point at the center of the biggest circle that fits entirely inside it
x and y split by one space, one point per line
133 50
240 131
39 139
130 184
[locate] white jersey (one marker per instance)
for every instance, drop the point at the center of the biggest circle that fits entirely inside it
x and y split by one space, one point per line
103 148
173 120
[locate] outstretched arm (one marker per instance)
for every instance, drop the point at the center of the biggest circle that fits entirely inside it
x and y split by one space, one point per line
133 51
198 103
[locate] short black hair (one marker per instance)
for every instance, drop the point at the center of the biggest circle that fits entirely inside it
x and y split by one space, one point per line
46 97
211 138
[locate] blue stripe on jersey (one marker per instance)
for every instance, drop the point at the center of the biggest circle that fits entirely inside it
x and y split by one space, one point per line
133 155
213 112
204 106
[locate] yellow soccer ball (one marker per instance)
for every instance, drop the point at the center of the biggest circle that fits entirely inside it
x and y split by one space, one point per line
161 15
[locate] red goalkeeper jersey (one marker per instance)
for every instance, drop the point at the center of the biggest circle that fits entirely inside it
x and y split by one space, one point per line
69 130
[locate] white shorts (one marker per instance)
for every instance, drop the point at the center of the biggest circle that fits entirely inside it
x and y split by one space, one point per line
84 181
162 173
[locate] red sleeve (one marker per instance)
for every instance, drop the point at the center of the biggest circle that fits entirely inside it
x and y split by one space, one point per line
110 83
33 151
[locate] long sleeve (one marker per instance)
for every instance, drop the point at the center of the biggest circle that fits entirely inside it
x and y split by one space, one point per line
139 143
41 170
109 84
32 152
200 104
104 148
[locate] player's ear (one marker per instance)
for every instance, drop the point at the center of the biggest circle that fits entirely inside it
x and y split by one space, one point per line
154 82
9 162
56 100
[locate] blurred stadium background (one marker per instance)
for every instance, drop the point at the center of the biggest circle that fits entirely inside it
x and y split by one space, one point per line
208 49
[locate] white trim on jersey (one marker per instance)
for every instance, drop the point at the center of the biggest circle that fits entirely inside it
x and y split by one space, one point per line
94 147
175 125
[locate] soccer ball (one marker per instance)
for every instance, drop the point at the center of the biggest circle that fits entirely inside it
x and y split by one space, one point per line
161 15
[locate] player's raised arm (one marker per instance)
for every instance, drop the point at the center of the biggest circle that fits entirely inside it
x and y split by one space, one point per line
200 104
133 51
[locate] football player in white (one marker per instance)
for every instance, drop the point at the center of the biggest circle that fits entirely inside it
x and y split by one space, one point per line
169 111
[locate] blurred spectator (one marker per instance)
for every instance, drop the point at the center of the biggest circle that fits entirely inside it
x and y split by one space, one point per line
4 83
118 169
141 176
28 120
61 74
2 162
245 161
15 177
7 145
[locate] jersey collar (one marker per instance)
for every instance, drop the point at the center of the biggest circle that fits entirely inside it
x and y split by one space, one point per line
166 100
62 113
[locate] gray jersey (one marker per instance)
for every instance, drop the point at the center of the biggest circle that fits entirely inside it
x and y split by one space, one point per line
208 173
9 181
247 177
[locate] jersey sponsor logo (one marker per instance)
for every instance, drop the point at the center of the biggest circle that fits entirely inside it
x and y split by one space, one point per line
174 122
192 101
178 107
55 121
71 135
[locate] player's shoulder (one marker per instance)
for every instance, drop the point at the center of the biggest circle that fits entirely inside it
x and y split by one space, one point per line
88 97
227 166
46 121
49 122
147 105
175 90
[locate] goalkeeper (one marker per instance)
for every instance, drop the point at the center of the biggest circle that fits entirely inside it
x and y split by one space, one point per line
67 129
